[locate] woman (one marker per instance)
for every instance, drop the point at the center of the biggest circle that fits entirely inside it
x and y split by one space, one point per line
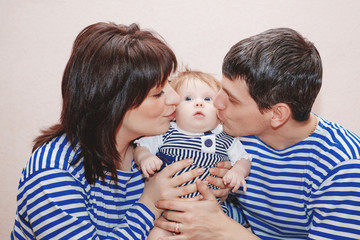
81 182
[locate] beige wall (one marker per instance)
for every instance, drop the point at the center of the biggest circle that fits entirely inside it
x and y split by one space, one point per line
36 38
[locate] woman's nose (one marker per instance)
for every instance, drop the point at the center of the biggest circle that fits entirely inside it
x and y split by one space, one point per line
171 97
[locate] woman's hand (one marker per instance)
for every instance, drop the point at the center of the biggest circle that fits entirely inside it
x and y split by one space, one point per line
199 219
163 186
219 171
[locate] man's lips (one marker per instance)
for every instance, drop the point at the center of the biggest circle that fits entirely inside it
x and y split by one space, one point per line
220 119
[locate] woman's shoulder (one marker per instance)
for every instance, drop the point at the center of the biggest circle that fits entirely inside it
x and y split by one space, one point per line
55 154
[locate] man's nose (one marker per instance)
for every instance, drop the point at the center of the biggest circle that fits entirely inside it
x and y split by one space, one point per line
219 100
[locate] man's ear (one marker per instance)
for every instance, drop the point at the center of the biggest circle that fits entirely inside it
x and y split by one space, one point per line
281 113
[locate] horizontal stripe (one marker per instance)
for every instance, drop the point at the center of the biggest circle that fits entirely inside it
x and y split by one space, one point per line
56 202
310 190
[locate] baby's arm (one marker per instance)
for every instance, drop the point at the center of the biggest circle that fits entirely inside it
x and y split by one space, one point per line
144 154
241 162
148 162
235 177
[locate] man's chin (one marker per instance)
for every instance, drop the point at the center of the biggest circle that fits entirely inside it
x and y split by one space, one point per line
228 131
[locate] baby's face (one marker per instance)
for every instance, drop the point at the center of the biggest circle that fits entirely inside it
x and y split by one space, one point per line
196 112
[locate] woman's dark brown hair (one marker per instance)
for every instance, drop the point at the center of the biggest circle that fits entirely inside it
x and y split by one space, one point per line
111 70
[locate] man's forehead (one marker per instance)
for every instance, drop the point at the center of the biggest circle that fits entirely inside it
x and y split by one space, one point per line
235 88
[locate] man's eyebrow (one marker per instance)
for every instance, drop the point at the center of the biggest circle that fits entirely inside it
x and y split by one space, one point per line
230 94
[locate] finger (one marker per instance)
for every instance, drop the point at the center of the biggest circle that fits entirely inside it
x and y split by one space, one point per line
173 168
225 180
174 237
219 172
145 173
164 224
170 227
193 199
220 192
187 189
152 165
150 171
233 182
244 186
224 164
196 198
236 187
218 182
187 176
173 204
173 216
158 164
204 190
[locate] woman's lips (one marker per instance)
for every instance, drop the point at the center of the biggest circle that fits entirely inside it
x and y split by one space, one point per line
171 116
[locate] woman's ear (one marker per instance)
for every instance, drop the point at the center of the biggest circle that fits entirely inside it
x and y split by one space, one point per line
281 113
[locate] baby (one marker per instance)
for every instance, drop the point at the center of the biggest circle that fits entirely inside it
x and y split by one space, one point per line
196 133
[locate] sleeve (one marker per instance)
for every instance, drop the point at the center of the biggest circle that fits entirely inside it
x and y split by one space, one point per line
53 205
237 152
335 207
153 143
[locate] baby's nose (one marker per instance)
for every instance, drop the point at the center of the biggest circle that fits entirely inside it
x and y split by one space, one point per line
199 103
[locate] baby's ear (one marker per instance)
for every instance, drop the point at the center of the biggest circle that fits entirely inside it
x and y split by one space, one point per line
281 112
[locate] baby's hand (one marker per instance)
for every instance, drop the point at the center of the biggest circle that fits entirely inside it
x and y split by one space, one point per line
235 180
150 165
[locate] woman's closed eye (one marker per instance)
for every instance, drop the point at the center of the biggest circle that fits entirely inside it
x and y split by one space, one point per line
159 94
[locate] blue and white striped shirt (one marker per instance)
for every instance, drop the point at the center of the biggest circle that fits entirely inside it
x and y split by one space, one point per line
310 190
56 202
177 144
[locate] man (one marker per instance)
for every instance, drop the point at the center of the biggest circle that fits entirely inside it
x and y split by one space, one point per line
305 176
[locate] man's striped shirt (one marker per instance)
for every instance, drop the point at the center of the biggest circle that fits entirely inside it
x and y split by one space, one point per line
310 190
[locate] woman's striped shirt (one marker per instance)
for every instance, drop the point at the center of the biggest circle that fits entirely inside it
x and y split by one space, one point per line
55 201
310 190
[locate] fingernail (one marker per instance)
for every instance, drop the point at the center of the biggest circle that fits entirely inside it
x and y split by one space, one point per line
200 170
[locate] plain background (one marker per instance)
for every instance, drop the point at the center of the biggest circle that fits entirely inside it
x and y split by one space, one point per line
36 39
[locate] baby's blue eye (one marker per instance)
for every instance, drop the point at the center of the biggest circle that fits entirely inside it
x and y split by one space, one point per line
207 99
188 99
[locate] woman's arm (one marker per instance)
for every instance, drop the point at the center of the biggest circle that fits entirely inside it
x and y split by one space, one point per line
202 219
53 204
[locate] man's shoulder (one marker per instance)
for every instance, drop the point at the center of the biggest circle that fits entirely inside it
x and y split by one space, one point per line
335 137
